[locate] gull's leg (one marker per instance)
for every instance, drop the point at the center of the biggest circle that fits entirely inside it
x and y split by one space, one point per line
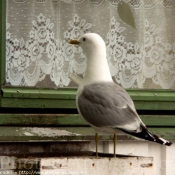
96 142
114 140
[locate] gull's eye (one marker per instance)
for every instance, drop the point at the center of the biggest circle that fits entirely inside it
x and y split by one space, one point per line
84 39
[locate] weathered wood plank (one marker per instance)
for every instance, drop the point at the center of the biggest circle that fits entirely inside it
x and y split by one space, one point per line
159 120
48 134
152 94
18 92
70 104
51 134
93 166
154 105
74 120
65 98
42 119
70 93
37 103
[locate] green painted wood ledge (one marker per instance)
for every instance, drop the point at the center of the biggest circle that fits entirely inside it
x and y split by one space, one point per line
65 98
69 127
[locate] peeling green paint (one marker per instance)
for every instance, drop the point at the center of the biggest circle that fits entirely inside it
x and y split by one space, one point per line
74 120
50 134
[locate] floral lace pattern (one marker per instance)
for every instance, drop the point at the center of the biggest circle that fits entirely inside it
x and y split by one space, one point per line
30 62
131 64
44 53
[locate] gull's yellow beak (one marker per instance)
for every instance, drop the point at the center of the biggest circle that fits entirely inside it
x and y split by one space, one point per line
74 42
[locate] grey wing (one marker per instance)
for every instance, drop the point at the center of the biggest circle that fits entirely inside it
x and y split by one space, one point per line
109 105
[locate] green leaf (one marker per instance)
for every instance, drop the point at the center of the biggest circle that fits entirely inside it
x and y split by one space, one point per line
126 14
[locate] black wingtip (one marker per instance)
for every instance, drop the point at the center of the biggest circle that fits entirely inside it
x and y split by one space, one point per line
146 134
168 143
161 140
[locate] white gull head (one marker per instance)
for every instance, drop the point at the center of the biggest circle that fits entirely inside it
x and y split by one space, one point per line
97 66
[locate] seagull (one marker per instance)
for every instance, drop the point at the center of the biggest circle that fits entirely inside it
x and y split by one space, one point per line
105 105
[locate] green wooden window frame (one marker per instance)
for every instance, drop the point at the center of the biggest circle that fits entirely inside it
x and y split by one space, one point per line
18 97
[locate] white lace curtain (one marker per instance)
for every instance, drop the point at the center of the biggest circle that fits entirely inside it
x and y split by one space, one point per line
38 31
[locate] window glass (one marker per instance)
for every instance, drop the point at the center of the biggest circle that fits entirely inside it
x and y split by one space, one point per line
38 53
